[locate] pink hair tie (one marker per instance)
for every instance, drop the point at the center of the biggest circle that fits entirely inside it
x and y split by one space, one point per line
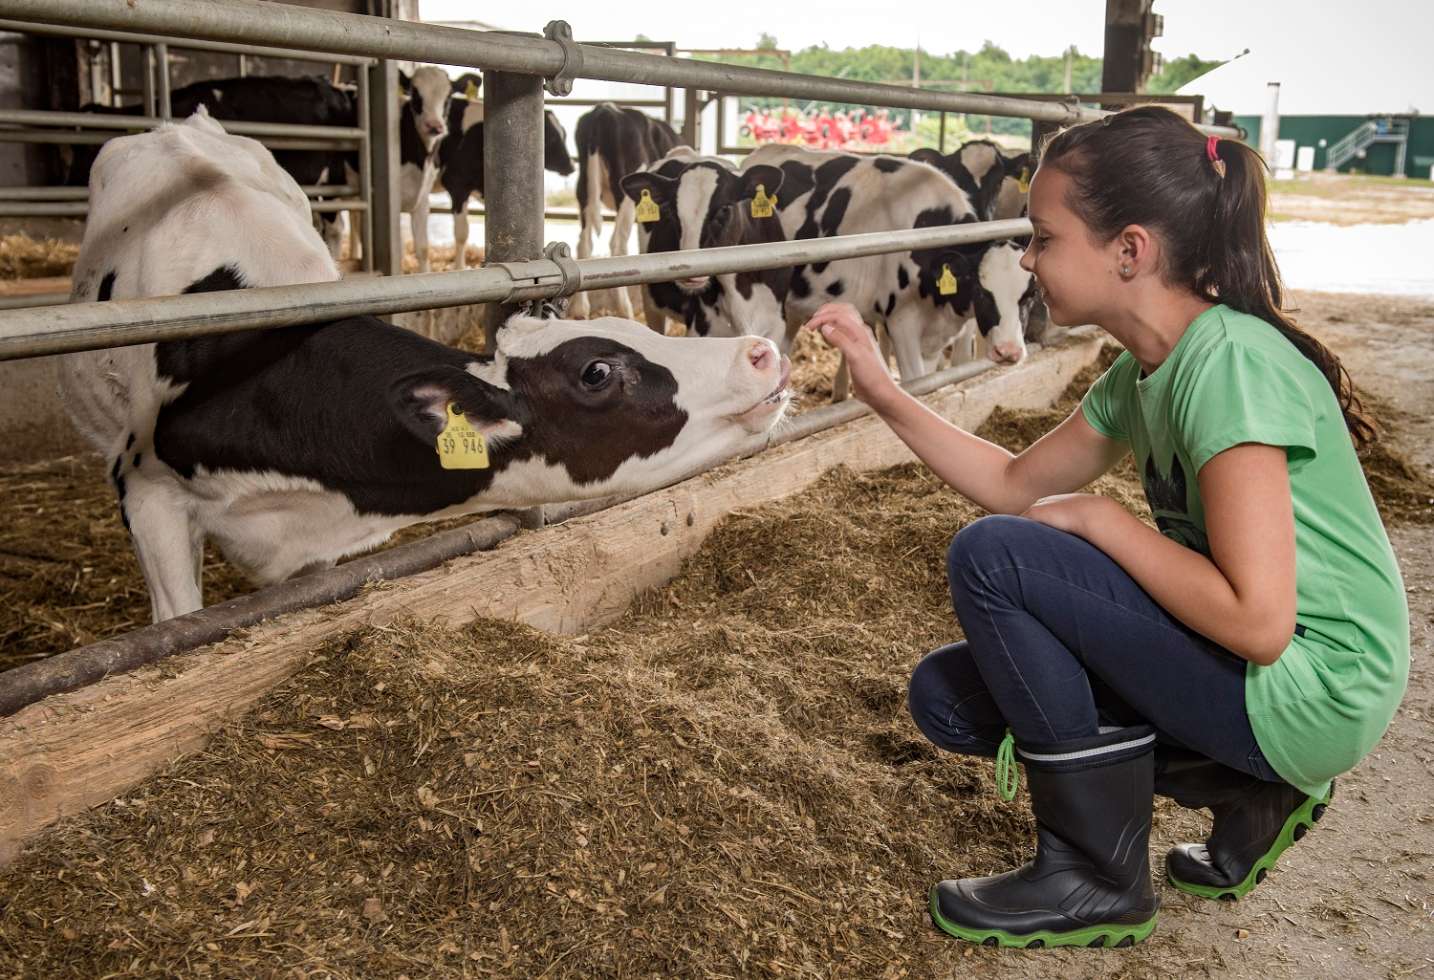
1210 151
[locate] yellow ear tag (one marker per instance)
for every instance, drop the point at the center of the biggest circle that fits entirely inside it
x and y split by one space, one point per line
460 446
947 283
471 92
1025 182
647 209
762 205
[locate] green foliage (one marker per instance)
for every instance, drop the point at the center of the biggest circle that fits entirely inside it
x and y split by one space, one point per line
1178 72
989 69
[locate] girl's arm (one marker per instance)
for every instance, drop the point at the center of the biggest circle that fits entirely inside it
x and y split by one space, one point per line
1067 458
1243 595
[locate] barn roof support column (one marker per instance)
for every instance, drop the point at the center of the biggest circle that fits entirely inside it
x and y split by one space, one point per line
513 177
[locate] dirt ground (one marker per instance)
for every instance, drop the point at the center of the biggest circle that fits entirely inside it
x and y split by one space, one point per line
1347 199
724 784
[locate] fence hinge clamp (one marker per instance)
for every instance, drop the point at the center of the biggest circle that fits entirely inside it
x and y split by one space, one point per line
561 84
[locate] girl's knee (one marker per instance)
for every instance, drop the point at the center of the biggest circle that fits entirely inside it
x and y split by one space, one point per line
987 542
944 682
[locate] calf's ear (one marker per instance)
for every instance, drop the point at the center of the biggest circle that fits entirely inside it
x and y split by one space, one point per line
769 177
925 155
420 401
662 189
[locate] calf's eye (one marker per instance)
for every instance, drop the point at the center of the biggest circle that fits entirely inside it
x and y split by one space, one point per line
597 374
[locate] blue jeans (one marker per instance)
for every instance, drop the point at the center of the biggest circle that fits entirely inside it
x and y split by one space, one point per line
1059 641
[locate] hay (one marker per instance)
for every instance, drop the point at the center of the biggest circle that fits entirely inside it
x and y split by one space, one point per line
68 575
723 783
23 257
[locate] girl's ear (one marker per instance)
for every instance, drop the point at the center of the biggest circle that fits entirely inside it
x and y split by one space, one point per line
1137 249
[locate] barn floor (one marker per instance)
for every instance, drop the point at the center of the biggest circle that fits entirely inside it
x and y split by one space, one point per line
724 783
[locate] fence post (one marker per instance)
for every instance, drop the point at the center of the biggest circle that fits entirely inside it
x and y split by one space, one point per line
382 147
161 55
513 177
692 119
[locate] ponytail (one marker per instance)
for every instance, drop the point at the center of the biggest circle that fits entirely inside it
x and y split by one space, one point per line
1206 197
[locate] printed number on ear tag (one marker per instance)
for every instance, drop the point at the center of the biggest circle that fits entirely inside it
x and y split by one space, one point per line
1025 182
947 283
471 92
460 446
647 209
762 205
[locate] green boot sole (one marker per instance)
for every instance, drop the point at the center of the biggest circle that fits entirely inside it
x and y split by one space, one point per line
1296 825
1093 936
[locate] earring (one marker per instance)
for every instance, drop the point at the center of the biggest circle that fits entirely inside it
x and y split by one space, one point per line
1125 271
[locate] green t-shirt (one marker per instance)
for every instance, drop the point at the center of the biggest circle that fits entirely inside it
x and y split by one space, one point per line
1233 378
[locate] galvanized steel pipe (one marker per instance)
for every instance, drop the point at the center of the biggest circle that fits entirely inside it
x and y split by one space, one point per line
282 25
119 323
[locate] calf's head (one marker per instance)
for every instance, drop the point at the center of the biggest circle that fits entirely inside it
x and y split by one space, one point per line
428 89
576 409
699 200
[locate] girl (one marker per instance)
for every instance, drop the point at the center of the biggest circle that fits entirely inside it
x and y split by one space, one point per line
1239 658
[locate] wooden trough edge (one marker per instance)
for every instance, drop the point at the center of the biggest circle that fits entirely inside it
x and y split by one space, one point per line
75 750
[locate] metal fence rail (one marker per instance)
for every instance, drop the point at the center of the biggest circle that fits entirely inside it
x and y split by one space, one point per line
88 326
281 25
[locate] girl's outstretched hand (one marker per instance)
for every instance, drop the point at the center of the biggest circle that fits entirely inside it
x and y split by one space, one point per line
842 327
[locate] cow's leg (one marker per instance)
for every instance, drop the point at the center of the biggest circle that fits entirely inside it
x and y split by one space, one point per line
841 384
167 543
905 331
460 234
333 234
589 223
355 218
653 314
420 230
621 236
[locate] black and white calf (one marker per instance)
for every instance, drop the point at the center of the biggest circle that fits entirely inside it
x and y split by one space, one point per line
612 142
702 202
295 447
997 184
821 194
454 158
308 100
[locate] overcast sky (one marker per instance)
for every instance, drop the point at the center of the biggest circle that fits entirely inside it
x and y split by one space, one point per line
1383 35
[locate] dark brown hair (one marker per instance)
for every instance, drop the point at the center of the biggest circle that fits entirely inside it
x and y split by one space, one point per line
1148 166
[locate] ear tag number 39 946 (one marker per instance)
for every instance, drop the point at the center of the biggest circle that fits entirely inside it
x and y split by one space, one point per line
647 209
460 446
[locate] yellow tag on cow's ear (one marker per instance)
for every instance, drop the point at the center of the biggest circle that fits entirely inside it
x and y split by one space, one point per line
460 446
1025 182
947 283
471 92
762 205
647 209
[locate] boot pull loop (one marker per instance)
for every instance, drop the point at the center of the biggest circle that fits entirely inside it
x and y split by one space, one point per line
1008 777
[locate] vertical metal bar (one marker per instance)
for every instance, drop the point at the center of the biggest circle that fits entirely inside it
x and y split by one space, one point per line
161 54
669 93
115 77
692 119
365 169
383 109
513 176
243 65
941 139
147 78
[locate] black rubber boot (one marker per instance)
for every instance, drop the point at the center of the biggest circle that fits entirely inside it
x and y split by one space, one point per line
1089 884
1255 822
